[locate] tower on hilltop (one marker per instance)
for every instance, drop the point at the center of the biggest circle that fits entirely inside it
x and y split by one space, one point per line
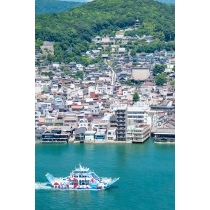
137 23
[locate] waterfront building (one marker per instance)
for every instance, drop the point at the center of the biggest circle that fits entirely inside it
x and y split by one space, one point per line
138 133
90 135
55 136
164 135
121 123
111 134
100 136
80 134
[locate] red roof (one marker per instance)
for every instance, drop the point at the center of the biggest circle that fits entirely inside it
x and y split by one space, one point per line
77 107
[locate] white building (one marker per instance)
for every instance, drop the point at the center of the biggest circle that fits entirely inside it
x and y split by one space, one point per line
111 134
56 65
101 89
54 88
83 123
90 135
136 115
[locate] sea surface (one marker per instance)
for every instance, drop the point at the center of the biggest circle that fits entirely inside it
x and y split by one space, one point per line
146 171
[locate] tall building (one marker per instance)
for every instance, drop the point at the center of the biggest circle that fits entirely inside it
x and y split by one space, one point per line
121 123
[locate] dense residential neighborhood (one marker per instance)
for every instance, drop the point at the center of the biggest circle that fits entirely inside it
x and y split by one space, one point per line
124 97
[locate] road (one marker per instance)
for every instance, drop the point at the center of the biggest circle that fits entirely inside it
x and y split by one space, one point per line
113 74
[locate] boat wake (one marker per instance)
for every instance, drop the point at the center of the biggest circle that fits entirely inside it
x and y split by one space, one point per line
42 186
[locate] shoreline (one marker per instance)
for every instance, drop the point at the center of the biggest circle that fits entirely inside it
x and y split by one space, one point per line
98 142
164 142
87 142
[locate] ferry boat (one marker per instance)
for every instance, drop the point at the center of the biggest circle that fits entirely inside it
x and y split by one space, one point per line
82 178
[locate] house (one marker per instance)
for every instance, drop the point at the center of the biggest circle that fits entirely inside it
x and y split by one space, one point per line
83 123
80 134
95 110
55 65
100 136
97 39
121 50
49 121
105 56
77 107
123 75
90 135
58 121
105 40
71 121
41 121
72 64
113 121
111 134
119 36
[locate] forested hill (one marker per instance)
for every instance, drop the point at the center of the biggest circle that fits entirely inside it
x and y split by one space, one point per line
54 6
104 17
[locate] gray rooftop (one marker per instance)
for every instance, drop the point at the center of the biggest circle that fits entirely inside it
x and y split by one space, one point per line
164 131
80 130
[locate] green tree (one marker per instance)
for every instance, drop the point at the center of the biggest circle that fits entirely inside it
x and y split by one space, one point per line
50 57
172 83
173 69
135 97
160 79
79 74
38 43
158 69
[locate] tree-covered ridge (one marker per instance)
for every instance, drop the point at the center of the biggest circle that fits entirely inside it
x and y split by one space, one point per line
78 26
54 6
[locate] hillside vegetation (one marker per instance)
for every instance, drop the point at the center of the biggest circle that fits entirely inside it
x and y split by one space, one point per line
76 28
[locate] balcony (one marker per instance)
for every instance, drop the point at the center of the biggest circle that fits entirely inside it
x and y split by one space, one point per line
121 120
120 115
120 111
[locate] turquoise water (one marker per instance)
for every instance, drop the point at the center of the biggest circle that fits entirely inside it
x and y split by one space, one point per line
146 171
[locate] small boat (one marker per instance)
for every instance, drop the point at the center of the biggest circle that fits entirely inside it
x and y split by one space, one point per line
82 178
